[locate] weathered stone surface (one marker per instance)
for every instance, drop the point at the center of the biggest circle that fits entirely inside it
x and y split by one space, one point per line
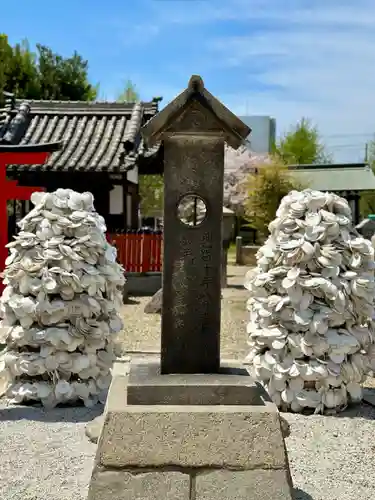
125 485
242 437
120 374
190 335
231 386
243 485
156 303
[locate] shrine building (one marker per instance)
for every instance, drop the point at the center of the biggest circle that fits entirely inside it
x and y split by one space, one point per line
348 180
101 151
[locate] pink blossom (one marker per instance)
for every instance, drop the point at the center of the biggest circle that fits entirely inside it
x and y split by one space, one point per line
238 164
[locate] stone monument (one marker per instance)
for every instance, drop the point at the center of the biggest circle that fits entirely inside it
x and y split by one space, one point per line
191 427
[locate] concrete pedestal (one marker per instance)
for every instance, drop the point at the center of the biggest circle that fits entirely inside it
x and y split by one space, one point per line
231 386
189 452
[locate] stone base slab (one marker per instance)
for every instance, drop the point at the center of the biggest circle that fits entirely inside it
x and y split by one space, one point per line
237 437
201 484
231 386
198 452
139 485
257 484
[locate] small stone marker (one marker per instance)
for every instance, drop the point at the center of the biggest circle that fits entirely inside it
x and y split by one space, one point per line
366 227
154 306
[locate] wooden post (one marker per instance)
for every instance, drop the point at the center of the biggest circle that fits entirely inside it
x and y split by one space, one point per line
239 250
224 265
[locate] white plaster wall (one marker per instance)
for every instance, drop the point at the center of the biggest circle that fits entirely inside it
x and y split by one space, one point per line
116 200
133 175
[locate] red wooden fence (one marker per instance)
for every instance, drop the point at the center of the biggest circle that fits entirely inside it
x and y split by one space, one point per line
139 252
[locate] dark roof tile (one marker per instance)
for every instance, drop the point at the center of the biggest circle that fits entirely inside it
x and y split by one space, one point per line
96 135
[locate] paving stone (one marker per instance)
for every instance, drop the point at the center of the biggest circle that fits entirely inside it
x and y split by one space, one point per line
243 485
125 485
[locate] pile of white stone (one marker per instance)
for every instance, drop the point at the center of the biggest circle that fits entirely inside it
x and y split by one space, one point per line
312 305
60 305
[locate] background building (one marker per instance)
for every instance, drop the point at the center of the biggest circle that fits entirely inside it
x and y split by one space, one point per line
263 133
101 152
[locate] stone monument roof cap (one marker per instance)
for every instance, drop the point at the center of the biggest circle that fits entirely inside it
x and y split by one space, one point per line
234 130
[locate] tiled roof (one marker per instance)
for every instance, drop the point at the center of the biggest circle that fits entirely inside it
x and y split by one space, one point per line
97 136
335 177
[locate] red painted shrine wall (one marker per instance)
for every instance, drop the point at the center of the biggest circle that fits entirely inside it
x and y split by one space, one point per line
9 190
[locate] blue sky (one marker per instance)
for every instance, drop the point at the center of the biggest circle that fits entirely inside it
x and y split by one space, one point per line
283 58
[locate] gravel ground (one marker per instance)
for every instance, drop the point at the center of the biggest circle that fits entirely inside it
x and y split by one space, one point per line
142 331
46 455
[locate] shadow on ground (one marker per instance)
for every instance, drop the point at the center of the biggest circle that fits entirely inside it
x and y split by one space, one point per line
299 494
358 410
60 414
361 410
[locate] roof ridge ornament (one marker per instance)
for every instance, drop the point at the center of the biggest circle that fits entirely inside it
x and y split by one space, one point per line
196 84
18 125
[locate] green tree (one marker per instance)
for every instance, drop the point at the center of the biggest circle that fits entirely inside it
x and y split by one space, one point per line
47 64
302 145
63 78
44 75
5 62
265 189
23 77
129 94
151 192
18 73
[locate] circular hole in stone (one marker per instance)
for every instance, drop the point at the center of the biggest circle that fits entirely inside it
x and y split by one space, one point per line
191 210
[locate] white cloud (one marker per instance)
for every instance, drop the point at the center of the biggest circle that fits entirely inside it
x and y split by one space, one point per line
300 58
324 62
323 57
318 12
